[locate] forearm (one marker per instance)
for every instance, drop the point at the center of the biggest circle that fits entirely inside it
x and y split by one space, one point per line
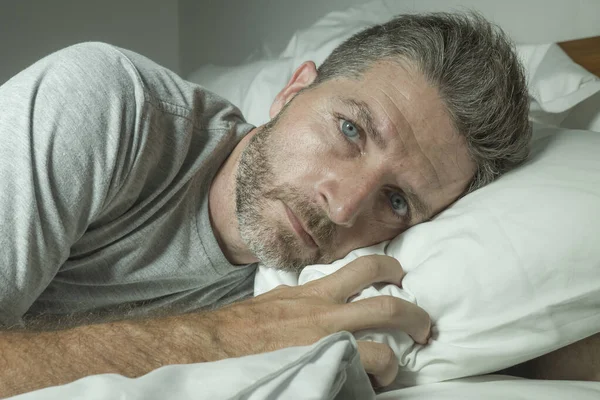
283 317
32 360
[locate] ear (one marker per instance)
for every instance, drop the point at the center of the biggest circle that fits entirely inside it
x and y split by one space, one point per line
303 76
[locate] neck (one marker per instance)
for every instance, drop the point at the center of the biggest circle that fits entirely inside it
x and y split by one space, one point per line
221 204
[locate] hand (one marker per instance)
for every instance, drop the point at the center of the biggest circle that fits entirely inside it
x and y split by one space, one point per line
301 315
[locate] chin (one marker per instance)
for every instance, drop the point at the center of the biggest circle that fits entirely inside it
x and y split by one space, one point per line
284 261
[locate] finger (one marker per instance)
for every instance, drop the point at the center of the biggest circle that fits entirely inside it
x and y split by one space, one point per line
359 274
379 361
383 312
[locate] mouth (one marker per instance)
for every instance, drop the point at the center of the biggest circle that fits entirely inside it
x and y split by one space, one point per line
297 226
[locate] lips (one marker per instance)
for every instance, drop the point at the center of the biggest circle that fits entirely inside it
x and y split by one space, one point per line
299 229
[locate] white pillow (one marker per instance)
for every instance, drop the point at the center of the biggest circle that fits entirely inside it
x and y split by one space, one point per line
556 83
251 87
508 273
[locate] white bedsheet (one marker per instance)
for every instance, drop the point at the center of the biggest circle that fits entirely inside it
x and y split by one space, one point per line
498 387
329 369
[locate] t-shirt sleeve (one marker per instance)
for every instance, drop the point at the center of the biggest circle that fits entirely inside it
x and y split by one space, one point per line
62 123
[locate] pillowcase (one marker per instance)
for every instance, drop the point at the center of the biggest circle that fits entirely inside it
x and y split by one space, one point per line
507 273
556 83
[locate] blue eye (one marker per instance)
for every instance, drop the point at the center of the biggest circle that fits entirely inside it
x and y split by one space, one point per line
399 204
349 129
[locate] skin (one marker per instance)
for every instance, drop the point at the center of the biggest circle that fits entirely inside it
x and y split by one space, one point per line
315 169
284 317
340 188
346 187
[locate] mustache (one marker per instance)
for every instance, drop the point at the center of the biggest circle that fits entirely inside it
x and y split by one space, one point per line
317 222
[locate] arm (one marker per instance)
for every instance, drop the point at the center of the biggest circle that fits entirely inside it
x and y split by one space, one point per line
31 360
284 317
57 173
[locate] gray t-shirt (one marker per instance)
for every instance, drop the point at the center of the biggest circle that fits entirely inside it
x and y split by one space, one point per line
106 160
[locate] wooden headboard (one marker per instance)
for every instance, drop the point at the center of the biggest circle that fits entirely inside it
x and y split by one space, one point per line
585 52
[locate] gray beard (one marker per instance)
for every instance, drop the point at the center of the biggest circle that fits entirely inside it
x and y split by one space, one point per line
273 245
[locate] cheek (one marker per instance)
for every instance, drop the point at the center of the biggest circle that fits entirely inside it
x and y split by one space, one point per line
366 233
301 155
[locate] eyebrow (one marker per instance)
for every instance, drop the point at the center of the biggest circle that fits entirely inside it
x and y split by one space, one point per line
364 115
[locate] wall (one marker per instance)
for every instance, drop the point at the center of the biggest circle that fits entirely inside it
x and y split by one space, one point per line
30 29
225 32
187 33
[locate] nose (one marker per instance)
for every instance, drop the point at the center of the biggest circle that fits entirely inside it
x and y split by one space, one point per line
345 198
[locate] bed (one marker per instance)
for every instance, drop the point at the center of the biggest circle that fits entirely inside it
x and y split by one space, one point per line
565 302
584 52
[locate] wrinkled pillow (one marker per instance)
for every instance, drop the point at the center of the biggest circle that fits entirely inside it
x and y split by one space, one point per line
507 273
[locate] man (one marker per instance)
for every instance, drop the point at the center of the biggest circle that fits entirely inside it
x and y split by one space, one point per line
128 192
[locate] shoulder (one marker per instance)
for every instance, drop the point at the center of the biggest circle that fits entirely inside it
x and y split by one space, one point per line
110 76
93 69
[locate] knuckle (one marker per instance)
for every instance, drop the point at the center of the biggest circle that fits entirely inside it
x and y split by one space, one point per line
315 319
279 291
372 266
390 306
317 289
387 357
319 322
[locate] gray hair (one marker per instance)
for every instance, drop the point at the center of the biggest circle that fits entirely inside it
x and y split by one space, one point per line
473 65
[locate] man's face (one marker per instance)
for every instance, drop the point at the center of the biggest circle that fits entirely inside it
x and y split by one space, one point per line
347 164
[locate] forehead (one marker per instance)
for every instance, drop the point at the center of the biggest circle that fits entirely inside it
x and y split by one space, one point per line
422 146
